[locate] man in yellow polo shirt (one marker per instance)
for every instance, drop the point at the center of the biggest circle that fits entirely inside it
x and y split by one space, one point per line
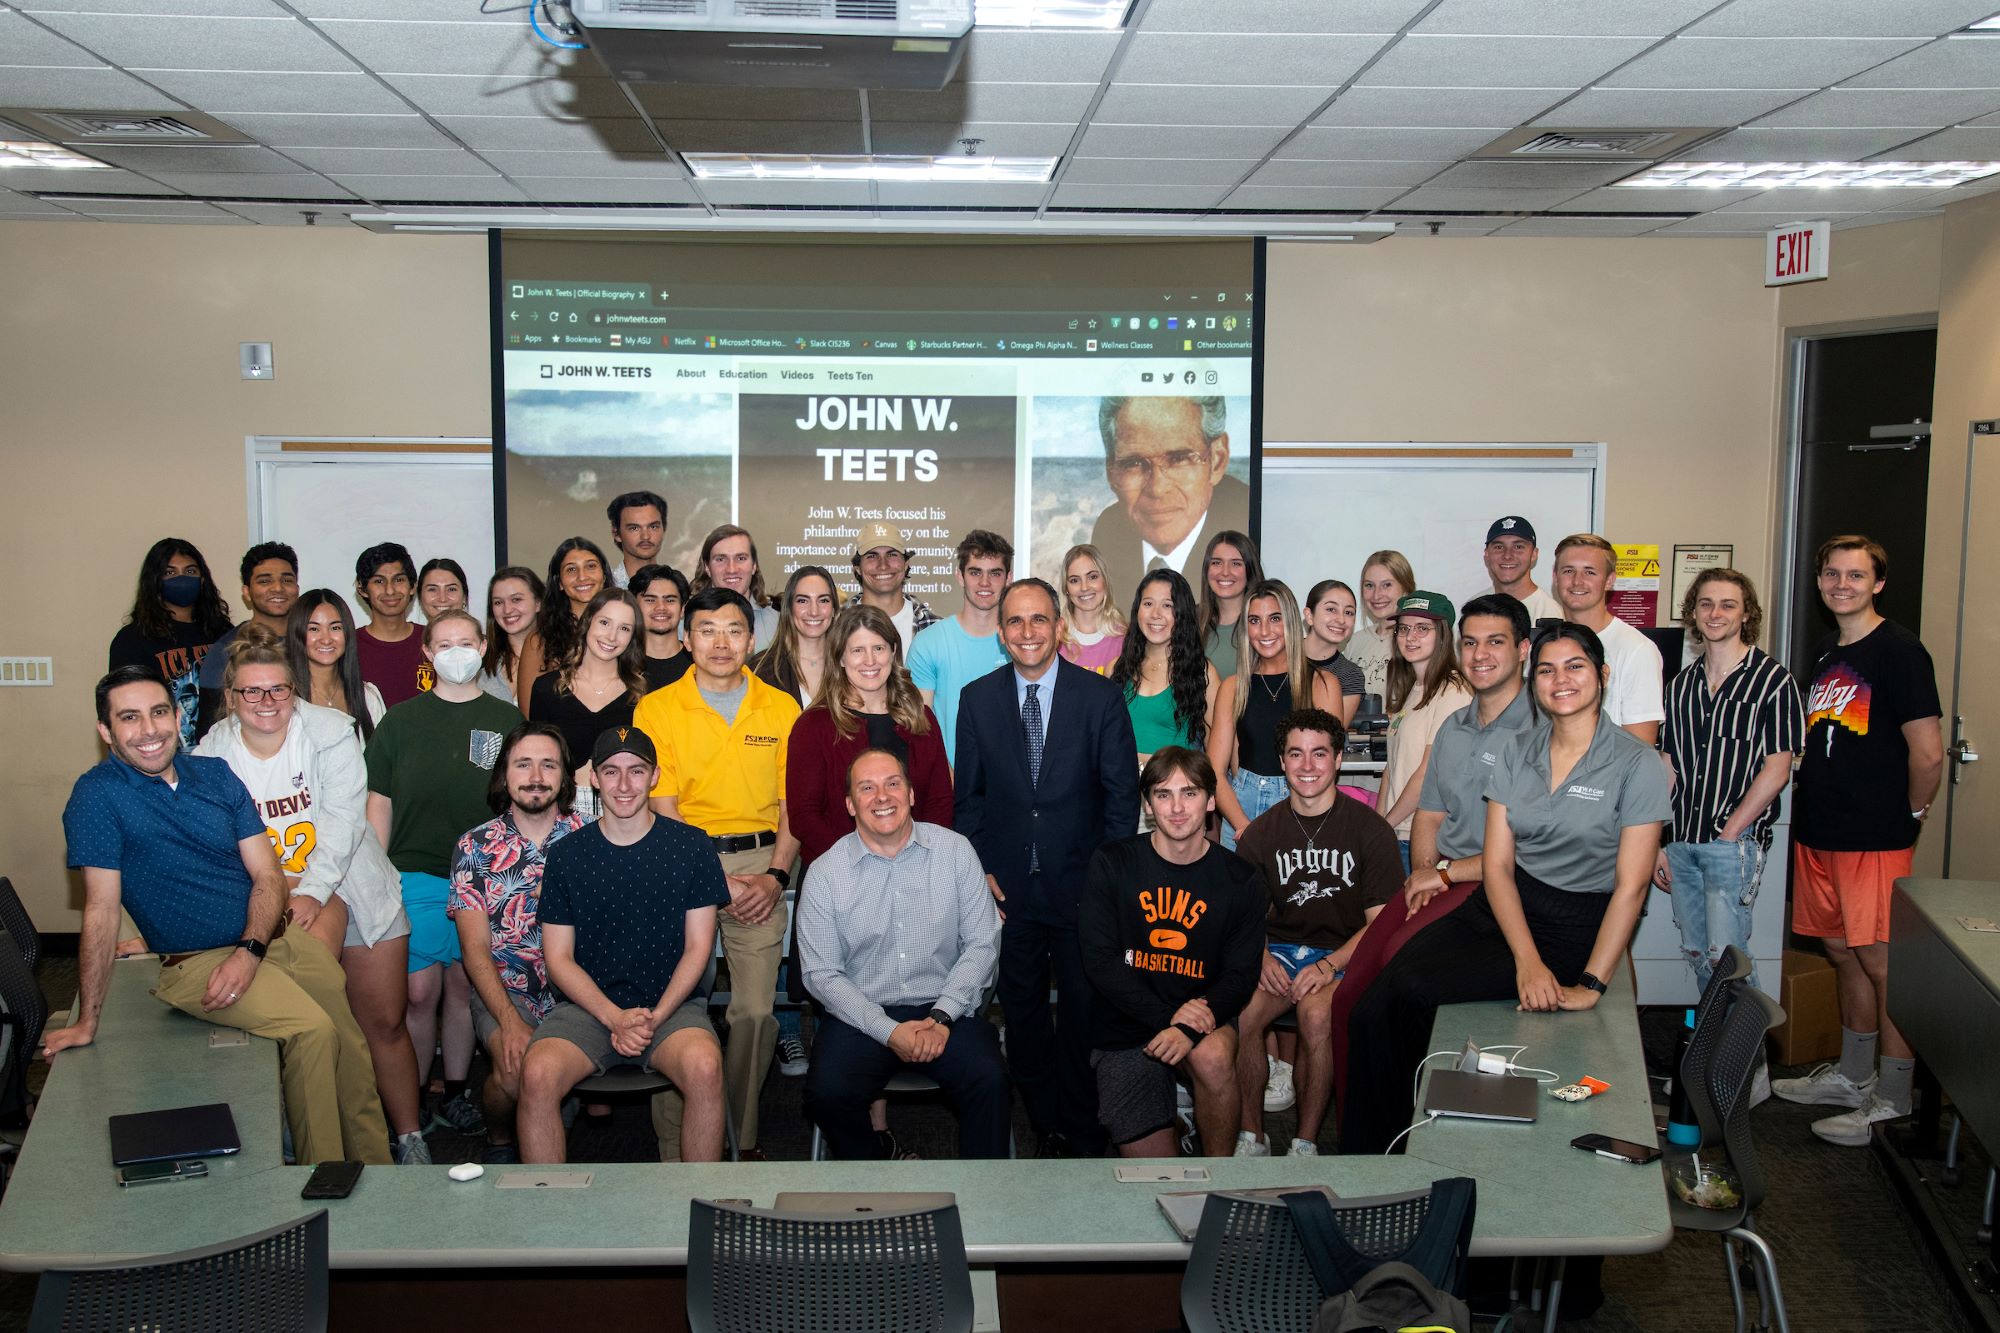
722 735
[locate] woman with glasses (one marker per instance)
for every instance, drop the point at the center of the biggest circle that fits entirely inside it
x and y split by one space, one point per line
1573 814
319 638
1386 578
1425 688
1230 568
1272 679
303 767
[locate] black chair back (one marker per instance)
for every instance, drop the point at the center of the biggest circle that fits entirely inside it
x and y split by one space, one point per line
15 921
272 1282
1728 975
1751 1014
26 1013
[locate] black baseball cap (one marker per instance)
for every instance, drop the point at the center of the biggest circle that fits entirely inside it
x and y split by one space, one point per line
1513 525
624 740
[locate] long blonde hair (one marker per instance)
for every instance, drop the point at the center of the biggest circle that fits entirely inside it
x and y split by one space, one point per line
1399 569
1112 620
1297 668
906 704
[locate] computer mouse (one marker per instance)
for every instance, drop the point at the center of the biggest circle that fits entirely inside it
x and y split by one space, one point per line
466 1171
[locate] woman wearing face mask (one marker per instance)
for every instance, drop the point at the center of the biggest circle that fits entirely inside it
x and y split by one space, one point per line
1385 579
513 602
1573 814
389 646
1329 612
319 634
796 660
1425 688
429 767
176 614
596 686
1230 568
1243 735
576 574
303 767
1093 627
440 587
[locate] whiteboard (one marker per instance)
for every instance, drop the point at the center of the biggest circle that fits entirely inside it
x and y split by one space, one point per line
330 500
1327 507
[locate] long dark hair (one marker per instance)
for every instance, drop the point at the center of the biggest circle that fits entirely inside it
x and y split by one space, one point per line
780 662
1583 636
1187 664
499 648
150 612
557 623
349 669
1253 574
631 663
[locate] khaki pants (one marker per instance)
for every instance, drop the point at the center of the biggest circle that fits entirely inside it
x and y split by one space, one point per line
753 953
298 998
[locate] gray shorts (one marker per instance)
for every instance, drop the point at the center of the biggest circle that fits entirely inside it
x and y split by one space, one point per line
1135 1093
484 1024
354 939
573 1024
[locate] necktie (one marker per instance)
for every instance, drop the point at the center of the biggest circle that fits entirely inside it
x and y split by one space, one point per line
1031 722
1156 564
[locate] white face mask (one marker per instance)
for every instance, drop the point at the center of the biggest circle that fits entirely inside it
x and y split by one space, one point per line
457 665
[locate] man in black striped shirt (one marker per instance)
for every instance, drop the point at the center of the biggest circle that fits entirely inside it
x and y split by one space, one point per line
1734 725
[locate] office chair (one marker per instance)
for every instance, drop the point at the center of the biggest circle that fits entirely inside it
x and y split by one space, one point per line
26 1013
636 1079
1727 977
15 921
906 1083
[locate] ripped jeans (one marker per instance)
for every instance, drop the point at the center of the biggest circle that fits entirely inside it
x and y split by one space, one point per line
1715 889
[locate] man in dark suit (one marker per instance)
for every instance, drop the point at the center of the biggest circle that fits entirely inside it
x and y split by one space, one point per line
1167 460
1046 771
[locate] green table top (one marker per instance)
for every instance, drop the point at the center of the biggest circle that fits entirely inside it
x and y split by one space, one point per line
1942 902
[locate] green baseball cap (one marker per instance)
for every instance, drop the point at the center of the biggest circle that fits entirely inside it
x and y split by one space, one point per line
1431 605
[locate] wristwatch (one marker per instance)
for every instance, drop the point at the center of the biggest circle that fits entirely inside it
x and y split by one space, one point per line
255 948
782 875
1443 868
1588 982
941 1018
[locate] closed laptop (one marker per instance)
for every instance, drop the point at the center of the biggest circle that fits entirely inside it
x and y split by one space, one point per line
172 1135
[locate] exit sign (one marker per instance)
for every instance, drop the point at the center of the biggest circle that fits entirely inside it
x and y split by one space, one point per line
1797 253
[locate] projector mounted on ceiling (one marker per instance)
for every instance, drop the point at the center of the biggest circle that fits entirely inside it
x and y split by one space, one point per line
904 44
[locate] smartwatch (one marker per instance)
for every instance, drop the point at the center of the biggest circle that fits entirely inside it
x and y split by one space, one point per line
782 875
1588 982
255 948
940 1017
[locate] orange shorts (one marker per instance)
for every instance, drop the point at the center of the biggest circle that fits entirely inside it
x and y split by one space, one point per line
1845 895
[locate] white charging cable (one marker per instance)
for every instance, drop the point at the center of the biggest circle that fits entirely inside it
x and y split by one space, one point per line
1493 1064
1399 1138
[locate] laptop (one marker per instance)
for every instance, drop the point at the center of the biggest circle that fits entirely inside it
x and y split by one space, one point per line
166 1136
873 1201
1482 1096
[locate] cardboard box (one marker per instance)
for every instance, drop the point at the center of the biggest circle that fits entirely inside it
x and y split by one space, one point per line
1811 1000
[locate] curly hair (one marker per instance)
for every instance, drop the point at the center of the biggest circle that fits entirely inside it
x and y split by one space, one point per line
1187 664
1753 610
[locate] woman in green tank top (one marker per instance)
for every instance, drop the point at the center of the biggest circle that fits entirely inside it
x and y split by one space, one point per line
1168 682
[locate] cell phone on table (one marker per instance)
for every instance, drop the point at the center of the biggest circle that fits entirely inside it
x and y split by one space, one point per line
332 1180
152 1173
1621 1150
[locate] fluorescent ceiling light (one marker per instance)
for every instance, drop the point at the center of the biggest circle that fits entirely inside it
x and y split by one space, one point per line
1781 175
1096 14
880 167
31 153
1991 23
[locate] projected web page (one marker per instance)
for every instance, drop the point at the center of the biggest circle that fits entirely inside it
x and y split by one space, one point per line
1119 416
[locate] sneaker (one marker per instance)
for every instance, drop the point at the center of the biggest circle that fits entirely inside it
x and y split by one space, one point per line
792 1060
1183 1097
1854 1129
1278 1094
1825 1086
1249 1145
1760 1086
500 1154
460 1113
411 1150
1303 1148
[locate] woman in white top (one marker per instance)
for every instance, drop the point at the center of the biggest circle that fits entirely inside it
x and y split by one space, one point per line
1385 577
303 767
319 649
1425 688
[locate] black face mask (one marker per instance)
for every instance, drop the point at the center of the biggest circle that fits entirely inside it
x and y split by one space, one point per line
181 589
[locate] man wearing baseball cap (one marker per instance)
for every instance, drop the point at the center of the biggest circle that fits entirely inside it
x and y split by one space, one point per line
628 925
1510 556
882 567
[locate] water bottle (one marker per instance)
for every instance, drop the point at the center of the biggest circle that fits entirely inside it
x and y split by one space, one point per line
1682 1131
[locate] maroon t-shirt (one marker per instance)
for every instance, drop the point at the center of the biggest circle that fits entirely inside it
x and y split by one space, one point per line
399 670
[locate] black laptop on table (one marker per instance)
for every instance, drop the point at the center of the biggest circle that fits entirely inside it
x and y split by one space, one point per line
174 1135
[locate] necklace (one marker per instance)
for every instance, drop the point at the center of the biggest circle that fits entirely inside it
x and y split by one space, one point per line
1313 837
1272 691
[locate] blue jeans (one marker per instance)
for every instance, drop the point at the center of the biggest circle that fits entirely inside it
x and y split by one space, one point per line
1256 793
1715 889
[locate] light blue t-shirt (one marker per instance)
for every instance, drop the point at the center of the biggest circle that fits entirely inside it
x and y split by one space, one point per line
944 659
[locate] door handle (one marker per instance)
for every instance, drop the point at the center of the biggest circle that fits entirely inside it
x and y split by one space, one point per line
1962 753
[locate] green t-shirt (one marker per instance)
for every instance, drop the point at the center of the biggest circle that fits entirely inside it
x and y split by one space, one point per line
433 760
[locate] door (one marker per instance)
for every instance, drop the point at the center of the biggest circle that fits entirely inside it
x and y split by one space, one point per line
1972 777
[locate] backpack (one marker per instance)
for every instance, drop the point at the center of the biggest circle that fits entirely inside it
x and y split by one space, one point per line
1393 1298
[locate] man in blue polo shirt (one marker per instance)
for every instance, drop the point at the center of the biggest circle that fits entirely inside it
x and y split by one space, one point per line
177 840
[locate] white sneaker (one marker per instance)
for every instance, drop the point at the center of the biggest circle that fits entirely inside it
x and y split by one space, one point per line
1183 1097
1278 1094
1825 1086
1760 1086
412 1150
1854 1129
1303 1148
792 1060
1249 1145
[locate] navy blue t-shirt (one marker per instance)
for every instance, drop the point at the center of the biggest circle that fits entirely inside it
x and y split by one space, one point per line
630 904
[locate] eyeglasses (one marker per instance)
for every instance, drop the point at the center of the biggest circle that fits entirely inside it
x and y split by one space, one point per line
1180 464
257 694
1412 629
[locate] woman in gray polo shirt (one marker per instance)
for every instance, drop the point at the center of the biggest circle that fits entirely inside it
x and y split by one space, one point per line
1573 817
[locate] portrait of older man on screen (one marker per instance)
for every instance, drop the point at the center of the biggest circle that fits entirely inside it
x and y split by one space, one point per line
1167 460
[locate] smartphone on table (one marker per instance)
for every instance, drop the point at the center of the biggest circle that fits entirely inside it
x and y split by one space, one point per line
332 1180
1622 1150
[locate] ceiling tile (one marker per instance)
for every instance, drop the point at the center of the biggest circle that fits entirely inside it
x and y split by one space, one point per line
553 96
19 205
529 133
1563 18
1002 140
962 102
1970 62
1136 197
1254 60
1789 145
1445 199
1418 145
1165 141
438 10
1841 18
154 160
11 214
290 215
223 8
1341 199
434 189
1294 173
1879 219
339 162
1713 225
600 166
759 136
593 190
1400 107
1580 227
1157 171
471 47
1534 175
1418 229
221 218
688 101
82 182
935 194
1630 200
1810 202
77 89
1499 62
111 208
1867 108
254 185
1750 62
1640 108
1280 16
222 94
825 193
324 131
141 42
1214 104
1974 145
996 55
27 43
